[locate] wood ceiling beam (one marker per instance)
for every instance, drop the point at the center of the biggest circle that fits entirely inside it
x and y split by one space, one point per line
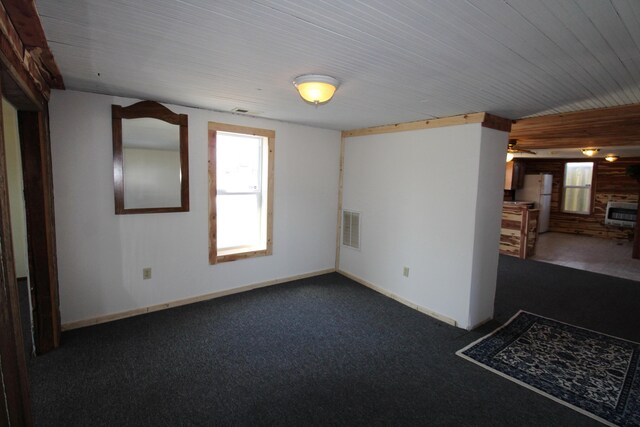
604 127
25 44
12 69
486 119
25 19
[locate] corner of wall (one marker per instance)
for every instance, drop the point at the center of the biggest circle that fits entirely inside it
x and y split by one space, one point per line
487 226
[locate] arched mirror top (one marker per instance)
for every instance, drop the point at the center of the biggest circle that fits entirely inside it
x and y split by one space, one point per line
150 159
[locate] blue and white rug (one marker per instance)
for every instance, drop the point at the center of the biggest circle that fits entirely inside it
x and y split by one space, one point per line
595 374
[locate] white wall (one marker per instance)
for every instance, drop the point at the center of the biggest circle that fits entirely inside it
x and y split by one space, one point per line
16 188
429 200
488 218
101 255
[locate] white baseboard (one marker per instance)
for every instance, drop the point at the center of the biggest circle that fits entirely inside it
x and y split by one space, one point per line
400 299
177 303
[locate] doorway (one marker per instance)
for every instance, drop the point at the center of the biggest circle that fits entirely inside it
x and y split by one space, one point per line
18 220
34 153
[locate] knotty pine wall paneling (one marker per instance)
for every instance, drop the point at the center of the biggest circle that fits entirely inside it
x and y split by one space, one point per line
610 184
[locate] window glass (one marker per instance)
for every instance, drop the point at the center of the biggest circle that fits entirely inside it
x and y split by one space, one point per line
239 221
576 197
239 163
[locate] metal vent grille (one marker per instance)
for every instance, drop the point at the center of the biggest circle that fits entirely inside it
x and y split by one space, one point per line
351 229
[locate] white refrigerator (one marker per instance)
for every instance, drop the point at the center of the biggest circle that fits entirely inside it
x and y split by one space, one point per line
537 188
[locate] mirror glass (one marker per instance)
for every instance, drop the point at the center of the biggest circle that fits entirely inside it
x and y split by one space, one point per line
151 163
150 159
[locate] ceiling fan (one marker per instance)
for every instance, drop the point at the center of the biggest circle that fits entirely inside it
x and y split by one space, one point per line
511 150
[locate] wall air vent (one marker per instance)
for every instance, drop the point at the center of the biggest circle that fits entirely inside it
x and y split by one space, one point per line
351 229
239 110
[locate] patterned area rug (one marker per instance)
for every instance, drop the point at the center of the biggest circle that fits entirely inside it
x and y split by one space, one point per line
595 374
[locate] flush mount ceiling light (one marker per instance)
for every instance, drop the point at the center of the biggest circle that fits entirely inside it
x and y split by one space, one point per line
611 158
590 152
316 89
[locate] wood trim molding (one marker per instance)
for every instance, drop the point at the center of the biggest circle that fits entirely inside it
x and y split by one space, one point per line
340 197
213 193
138 311
242 255
225 127
417 125
146 109
213 129
271 141
486 119
635 254
40 216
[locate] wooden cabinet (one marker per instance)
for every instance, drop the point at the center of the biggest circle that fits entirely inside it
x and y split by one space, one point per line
519 231
514 175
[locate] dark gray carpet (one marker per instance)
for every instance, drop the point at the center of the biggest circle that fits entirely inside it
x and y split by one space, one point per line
319 351
606 304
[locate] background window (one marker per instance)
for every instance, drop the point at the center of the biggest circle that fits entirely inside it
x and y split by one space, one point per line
240 193
576 189
240 217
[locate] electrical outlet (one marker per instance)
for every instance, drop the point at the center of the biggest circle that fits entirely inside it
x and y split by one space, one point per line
146 273
405 272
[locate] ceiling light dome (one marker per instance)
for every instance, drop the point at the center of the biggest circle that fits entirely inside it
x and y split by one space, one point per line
590 152
315 88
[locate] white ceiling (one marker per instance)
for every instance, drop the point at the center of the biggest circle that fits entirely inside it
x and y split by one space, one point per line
398 61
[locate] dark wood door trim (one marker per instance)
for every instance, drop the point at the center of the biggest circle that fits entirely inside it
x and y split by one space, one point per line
636 237
27 73
14 369
41 239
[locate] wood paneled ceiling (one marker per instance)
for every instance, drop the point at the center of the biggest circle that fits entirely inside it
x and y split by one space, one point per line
398 61
601 128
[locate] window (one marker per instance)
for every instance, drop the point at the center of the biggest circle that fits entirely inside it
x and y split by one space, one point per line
576 191
240 192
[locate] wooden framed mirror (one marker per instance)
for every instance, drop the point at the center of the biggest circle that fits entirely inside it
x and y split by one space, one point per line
150 159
